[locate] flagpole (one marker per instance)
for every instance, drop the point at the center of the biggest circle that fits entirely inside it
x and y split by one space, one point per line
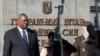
57 29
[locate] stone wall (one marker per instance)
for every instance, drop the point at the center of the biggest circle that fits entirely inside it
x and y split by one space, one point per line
73 9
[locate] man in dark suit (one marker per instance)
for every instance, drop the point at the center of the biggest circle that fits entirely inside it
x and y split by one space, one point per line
21 41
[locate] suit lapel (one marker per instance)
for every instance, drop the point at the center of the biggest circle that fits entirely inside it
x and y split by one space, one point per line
20 37
29 38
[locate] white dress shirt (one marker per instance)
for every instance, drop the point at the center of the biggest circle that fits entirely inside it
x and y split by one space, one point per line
21 32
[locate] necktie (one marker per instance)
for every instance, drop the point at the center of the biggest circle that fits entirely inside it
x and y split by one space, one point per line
25 38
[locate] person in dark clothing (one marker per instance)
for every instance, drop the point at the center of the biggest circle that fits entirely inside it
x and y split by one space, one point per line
91 42
21 41
53 48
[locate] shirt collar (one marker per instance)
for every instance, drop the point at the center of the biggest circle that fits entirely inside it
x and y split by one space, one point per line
20 29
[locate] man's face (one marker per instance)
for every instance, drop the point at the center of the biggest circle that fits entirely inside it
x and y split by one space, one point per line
84 28
22 21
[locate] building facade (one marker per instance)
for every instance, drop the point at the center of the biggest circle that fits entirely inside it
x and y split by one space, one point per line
75 12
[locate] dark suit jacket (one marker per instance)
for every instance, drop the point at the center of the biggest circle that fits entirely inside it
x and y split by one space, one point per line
15 46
